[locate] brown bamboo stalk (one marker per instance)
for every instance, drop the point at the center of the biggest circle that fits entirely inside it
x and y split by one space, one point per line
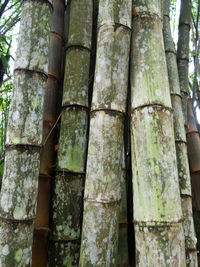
51 112
183 51
193 144
122 255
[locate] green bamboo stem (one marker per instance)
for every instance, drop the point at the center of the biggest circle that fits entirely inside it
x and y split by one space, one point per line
180 142
51 113
70 171
193 144
102 197
183 51
24 136
156 196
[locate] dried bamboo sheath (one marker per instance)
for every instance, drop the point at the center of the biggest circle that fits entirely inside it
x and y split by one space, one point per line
193 144
70 171
24 136
105 161
158 228
51 112
180 141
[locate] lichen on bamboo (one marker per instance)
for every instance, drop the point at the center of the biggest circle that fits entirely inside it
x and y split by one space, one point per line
24 136
70 169
155 179
103 183
180 142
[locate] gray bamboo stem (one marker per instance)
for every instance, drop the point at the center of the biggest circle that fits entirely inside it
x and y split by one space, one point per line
105 161
18 197
156 196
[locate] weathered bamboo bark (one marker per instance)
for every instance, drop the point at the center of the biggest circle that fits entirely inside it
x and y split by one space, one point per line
193 144
156 196
183 51
180 142
51 112
104 165
122 255
24 136
70 172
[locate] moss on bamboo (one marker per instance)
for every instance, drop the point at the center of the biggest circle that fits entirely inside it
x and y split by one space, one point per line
67 193
24 136
180 141
155 179
102 189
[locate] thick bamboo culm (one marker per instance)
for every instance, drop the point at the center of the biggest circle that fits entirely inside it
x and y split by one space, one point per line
158 222
183 51
70 170
104 172
24 136
193 144
52 103
180 142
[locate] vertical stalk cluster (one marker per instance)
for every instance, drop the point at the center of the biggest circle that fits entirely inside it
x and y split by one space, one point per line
70 171
51 113
105 161
193 144
158 228
180 141
183 51
24 136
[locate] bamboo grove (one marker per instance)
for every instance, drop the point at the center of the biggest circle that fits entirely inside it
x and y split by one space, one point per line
102 157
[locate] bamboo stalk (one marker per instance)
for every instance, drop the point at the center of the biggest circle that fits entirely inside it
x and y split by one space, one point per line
156 196
122 254
193 144
104 165
51 112
70 172
183 51
24 136
180 142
